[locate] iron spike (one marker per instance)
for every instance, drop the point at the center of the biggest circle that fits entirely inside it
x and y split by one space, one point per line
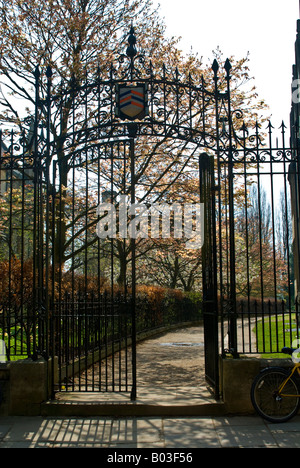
151 68
215 66
227 66
283 126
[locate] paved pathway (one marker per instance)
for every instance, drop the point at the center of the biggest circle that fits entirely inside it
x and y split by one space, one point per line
170 371
169 362
152 433
174 360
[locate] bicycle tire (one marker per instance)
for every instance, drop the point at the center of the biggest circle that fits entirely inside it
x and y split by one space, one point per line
265 399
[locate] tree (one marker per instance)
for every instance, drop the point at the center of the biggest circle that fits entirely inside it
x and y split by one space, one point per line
260 265
284 237
72 36
79 39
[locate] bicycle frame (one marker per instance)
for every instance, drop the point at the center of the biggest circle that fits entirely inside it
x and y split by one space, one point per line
295 368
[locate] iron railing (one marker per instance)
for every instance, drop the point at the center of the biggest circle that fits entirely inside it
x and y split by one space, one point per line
92 337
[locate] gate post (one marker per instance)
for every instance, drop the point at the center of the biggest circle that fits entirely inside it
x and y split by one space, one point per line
209 271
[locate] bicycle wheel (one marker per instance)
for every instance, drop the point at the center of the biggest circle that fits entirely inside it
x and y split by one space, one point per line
265 399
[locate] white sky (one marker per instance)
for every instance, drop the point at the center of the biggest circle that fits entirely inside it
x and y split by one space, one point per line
265 28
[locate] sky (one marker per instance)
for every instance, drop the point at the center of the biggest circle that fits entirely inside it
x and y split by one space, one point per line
264 28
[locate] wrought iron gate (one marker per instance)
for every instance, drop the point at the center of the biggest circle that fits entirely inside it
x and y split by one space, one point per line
115 124
100 152
92 305
70 289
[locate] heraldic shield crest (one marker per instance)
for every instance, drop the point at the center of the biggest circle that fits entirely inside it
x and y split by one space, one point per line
131 102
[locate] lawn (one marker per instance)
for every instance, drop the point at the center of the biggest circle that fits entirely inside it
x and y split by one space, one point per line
275 332
16 344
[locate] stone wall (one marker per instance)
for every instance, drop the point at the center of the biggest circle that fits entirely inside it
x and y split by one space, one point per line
236 377
24 385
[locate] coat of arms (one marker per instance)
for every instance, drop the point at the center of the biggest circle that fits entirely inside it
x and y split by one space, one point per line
131 102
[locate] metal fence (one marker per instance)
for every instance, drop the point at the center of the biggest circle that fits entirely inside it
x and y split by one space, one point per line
93 336
256 242
263 328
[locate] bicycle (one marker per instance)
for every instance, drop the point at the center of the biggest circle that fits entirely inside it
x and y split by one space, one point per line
275 392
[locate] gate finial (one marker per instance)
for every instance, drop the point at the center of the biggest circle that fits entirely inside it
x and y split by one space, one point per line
215 67
227 66
131 49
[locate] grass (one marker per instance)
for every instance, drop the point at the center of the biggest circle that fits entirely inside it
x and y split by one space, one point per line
273 333
18 347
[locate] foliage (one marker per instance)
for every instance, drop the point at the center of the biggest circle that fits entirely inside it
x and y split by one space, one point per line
16 281
16 214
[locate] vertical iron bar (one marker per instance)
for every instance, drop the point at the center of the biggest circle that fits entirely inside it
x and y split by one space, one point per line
10 251
260 231
23 210
273 226
99 294
36 224
125 316
106 339
247 239
112 298
232 292
52 301
215 68
297 222
286 220
132 133
47 214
